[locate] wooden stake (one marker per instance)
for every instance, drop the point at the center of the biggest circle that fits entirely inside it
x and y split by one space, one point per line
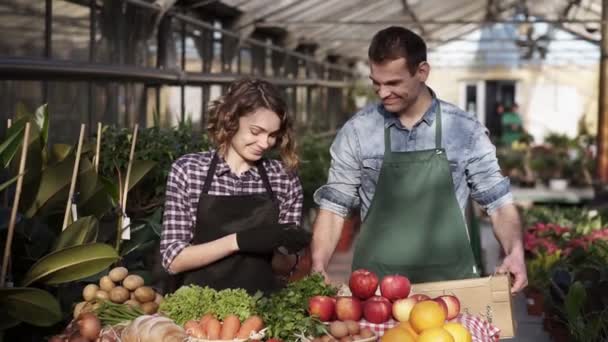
9 123
13 218
131 154
97 148
74 176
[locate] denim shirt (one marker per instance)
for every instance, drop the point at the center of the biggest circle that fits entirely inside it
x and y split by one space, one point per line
358 149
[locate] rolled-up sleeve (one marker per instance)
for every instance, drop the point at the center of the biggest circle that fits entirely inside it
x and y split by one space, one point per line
488 186
340 194
177 223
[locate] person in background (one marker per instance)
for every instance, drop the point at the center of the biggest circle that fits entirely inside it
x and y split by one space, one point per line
229 209
410 163
511 126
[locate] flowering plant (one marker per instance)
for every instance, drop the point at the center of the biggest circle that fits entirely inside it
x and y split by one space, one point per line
550 238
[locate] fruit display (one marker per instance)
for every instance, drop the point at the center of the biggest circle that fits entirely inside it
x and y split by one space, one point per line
120 287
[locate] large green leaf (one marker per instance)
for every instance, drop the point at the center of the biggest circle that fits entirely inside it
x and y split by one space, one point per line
87 180
15 136
31 305
139 169
98 204
54 179
575 299
81 232
60 151
142 237
71 264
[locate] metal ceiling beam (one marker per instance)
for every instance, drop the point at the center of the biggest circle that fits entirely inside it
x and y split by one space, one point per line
408 10
202 3
272 13
432 22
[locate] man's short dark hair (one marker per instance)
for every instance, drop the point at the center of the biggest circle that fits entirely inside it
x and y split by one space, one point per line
397 42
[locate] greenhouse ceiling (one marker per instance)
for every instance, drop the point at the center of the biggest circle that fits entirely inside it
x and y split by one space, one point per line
345 27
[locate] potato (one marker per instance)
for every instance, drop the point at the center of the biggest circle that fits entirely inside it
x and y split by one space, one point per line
132 295
338 329
117 274
366 333
132 282
149 308
133 303
101 294
119 294
106 284
78 308
145 294
88 293
353 327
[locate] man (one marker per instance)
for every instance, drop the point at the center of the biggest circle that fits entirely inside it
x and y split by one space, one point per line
411 163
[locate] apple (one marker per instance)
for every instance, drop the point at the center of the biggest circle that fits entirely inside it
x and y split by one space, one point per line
323 307
420 297
402 308
377 309
442 304
363 283
395 287
348 309
453 305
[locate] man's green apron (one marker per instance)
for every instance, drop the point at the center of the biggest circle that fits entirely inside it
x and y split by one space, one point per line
414 226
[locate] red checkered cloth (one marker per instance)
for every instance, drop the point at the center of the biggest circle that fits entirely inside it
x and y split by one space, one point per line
480 329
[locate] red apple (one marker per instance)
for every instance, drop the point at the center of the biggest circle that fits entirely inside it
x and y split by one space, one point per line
402 308
363 283
395 287
349 309
442 304
323 307
420 297
453 305
377 309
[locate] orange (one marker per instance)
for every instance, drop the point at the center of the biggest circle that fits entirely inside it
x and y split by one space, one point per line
435 335
408 327
458 332
426 315
397 334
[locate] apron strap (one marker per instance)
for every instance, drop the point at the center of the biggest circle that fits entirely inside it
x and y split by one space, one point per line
265 180
210 173
438 126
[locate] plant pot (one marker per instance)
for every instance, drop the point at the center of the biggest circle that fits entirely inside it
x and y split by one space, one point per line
351 224
534 301
559 332
558 184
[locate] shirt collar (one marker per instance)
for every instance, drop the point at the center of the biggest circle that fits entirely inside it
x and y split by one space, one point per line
222 168
391 119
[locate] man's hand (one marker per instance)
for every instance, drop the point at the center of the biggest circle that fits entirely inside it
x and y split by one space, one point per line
319 269
514 264
507 227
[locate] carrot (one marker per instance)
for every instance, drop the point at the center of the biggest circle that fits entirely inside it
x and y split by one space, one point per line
203 321
253 323
230 327
213 328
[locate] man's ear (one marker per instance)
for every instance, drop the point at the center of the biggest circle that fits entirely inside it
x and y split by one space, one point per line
424 69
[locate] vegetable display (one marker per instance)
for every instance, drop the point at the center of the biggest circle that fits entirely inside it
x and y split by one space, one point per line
192 302
285 312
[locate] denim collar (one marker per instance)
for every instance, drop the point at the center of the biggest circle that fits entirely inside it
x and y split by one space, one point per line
391 119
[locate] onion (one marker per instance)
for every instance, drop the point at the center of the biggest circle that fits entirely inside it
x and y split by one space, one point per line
89 326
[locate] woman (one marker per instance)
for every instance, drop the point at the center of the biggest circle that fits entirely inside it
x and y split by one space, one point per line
228 209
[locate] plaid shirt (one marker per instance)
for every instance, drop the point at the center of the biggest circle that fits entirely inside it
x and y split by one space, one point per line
185 184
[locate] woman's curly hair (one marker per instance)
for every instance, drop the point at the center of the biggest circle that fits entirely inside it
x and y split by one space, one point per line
244 97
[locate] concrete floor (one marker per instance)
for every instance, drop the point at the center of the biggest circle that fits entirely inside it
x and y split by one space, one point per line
529 328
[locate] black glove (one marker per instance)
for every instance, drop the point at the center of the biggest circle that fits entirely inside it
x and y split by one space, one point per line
267 238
